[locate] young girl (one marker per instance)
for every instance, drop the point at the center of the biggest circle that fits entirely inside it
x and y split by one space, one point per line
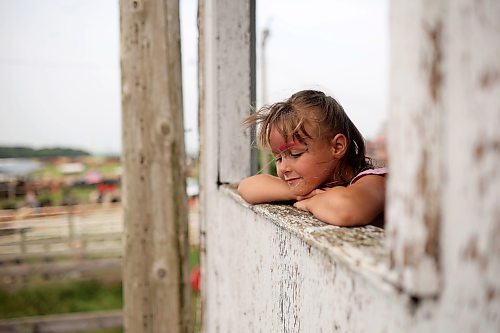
320 161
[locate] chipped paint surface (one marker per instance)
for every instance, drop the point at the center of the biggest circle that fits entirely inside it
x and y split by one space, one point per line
362 248
281 270
272 268
414 191
443 133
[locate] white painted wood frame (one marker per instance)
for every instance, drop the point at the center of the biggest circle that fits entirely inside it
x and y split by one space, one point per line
269 267
227 94
444 184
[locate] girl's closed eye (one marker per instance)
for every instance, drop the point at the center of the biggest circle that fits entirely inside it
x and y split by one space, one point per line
293 155
296 154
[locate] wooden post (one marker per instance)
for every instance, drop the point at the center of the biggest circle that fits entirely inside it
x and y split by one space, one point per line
229 89
71 229
22 244
227 92
12 189
156 288
415 143
444 179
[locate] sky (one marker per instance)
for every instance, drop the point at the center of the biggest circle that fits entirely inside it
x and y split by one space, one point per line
60 67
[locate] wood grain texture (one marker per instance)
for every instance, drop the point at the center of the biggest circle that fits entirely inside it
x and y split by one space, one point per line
155 212
443 137
416 142
227 90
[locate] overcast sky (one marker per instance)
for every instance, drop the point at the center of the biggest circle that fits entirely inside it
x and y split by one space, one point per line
60 78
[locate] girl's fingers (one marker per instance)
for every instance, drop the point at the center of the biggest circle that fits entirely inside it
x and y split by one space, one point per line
310 195
301 205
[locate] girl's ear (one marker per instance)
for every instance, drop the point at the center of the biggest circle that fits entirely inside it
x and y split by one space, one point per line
338 145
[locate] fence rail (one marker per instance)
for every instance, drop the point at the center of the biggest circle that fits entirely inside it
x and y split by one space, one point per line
112 236
81 231
76 322
63 267
83 242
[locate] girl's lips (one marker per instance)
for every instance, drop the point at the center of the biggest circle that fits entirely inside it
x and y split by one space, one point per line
292 181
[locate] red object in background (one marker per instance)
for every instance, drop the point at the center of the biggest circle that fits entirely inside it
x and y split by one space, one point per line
195 279
103 187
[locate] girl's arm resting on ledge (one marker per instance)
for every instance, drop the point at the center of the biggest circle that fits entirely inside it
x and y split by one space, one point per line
354 205
264 188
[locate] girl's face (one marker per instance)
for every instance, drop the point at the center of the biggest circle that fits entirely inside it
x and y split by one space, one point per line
304 166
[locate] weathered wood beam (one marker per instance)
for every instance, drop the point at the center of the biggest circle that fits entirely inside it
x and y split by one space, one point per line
156 293
444 181
227 92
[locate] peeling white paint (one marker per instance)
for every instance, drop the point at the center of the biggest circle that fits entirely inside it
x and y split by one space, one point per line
272 268
269 275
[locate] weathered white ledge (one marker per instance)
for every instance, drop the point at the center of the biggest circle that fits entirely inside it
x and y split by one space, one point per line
361 249
276 269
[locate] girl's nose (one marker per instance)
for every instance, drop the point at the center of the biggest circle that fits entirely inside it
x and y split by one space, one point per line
284 166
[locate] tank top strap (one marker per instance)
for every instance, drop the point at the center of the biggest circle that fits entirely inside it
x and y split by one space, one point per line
379 172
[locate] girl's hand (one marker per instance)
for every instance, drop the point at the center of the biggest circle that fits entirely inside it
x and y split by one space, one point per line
311 194
302 204
354 205
303 200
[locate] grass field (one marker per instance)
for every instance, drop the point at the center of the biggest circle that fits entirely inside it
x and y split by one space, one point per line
75 296
66 297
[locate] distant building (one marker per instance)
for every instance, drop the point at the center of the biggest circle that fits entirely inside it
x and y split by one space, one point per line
377 148
17 167
71 168
13 175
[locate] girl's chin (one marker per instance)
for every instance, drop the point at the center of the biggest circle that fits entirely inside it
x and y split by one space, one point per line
300 191
299 187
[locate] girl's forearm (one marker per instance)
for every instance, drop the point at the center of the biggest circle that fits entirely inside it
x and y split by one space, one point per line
264 188
332 207
348 206
332 214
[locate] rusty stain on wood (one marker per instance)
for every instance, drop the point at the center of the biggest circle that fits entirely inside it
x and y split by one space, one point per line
492 147
489 79
490 294
436 74
431 213
408 255
479 151
422 175
432 220
472 253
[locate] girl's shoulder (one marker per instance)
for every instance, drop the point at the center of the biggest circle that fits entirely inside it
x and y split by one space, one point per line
378 171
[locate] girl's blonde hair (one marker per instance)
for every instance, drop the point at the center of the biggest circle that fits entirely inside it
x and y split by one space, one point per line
290 117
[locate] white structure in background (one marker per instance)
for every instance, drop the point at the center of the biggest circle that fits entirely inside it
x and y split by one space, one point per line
14 167
270 268
192 187
71 168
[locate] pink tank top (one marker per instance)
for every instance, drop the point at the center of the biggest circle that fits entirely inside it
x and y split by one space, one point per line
380 172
